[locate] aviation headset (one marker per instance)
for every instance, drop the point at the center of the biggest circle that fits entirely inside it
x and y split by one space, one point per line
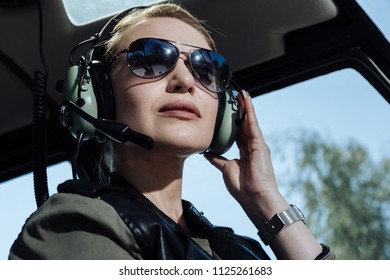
89 107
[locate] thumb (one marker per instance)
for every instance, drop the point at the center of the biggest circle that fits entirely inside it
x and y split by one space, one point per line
216 160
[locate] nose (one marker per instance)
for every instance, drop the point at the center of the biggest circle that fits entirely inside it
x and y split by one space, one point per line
181 79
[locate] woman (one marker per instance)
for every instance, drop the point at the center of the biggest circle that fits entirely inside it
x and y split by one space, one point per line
140 214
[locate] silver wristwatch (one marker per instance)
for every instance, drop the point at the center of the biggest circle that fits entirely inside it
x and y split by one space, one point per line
278 222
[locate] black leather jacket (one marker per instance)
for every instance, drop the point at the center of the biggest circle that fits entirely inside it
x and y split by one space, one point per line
158 236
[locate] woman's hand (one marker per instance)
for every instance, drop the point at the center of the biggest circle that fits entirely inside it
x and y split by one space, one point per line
251 179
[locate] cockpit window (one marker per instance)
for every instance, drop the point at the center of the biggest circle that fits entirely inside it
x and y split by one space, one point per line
82 12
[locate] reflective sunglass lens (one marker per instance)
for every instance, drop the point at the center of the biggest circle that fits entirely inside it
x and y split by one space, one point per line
211 69
150 58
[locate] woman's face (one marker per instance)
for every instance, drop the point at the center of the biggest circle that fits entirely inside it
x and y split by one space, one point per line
172 109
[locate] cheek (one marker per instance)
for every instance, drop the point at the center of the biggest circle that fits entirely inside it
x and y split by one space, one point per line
212 112
122 104
126 108
131 109
126 102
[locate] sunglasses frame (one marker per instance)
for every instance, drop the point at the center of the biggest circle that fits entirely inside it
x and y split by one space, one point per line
188 54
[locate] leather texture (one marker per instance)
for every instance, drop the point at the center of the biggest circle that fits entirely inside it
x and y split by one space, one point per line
158 236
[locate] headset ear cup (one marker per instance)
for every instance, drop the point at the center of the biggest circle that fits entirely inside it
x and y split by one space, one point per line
227 125
95 96
102 89
78 89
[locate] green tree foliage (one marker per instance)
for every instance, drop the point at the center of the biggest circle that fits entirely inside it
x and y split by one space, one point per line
347 195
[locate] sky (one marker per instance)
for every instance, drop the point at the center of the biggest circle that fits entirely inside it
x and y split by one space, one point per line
340 106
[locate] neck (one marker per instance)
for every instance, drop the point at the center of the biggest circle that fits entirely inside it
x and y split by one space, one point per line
156 175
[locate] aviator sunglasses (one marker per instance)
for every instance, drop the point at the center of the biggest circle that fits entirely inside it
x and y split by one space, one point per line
150 58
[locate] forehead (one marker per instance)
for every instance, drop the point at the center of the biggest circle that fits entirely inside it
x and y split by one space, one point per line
165 28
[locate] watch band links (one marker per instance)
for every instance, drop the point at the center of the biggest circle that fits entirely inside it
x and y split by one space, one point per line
278 222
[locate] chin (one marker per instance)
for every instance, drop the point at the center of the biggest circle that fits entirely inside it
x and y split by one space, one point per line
180 149
180 139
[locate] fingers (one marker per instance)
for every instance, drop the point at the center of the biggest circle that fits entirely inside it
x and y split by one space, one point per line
216 160
250 125
250 138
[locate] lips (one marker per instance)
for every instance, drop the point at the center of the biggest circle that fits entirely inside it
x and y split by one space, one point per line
180 109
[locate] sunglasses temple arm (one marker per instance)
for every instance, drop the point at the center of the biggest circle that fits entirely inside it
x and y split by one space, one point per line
115 58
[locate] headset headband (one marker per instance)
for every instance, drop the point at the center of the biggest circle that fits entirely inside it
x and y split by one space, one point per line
107 31
100 39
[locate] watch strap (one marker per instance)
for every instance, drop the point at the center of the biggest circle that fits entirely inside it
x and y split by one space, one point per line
278 222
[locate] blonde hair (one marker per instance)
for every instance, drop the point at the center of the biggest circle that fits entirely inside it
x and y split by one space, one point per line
155 11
